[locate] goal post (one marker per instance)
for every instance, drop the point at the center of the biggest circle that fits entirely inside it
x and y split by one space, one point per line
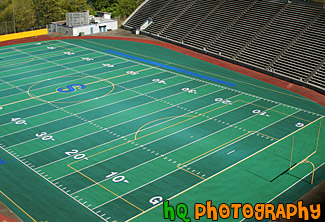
298 145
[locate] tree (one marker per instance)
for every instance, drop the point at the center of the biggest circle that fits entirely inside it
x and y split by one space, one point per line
24 15
77 5
101 5
48 11
124 8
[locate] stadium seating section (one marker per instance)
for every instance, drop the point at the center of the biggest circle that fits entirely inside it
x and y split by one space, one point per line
278 38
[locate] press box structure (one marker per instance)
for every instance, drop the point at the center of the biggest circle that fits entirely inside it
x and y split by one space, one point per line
81 23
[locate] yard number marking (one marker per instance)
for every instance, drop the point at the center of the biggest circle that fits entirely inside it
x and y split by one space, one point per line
44 136
299 125
159 81
77 155
261 113
223 101
69 53
87 59
117 179
18 121
108 65
156 200
50 47
189 90
132 73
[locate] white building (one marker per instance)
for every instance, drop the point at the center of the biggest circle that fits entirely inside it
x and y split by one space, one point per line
81 23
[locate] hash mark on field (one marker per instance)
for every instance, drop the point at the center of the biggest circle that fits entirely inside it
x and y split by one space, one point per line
230 152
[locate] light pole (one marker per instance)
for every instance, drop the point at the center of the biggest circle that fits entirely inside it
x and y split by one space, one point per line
13 14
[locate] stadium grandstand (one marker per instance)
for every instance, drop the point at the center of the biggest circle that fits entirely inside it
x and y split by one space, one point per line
197 110
284 39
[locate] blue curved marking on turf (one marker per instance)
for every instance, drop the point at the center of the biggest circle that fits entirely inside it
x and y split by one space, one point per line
71 88
173 68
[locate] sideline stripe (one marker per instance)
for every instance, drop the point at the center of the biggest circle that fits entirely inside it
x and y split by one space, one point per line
173 68
17 206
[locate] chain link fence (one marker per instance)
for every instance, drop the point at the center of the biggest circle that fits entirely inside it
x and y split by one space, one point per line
8 28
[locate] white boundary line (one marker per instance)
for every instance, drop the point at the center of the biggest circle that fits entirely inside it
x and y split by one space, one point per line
288 188
41 175
218 172
240 92
75 104
104 129
69 96
13 69
75 114
186 165
134 133
53 72
140 146
50 66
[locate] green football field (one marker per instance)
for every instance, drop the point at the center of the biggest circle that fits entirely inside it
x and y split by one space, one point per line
106 130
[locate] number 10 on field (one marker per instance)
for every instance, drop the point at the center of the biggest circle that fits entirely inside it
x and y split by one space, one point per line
117 179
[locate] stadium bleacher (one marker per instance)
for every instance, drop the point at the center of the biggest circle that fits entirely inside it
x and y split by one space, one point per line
278 38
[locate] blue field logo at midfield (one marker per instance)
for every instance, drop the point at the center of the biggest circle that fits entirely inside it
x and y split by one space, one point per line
71 88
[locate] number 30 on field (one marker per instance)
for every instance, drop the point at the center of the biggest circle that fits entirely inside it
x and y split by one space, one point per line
44 136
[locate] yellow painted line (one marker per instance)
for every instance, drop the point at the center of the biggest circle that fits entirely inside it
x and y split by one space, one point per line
123 74
135 136
106 79
215 148
310 155
37 98
221 76
11 64
149 134
227 168
184 121
279 112
191 173
105 188
17 206
320 124
16 102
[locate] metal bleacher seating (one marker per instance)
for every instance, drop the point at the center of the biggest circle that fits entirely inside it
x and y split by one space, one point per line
147 10
275 37
166 15
302 58
318 78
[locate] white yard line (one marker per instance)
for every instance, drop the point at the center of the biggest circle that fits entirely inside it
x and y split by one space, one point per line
57 186
234 90
75 114
217 172
107 128
53 72
140 146
164 155
29 70
73 95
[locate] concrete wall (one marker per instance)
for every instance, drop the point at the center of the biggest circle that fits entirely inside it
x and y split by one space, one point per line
111 25
75 31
